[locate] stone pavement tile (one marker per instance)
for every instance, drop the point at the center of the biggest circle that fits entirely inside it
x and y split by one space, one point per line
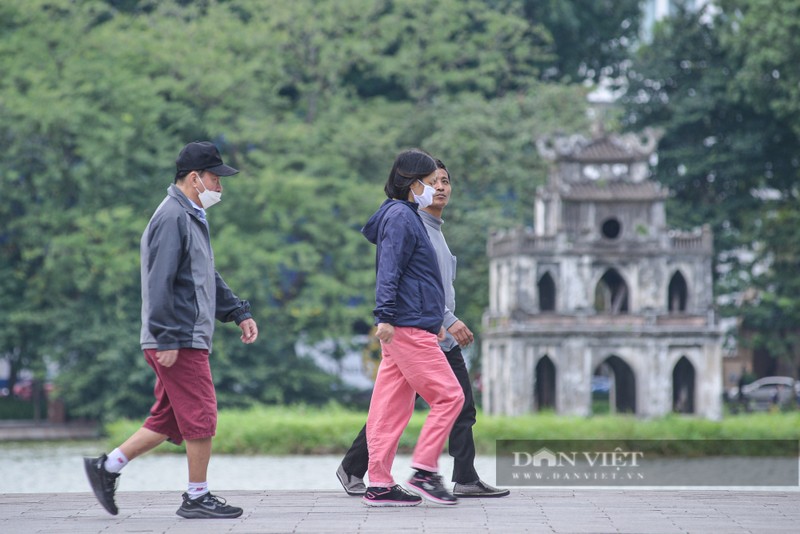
636 526
582 527
567 511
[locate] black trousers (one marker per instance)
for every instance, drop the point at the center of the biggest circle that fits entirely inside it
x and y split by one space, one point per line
461 445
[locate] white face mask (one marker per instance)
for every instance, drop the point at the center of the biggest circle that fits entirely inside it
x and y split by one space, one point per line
426 198
208 197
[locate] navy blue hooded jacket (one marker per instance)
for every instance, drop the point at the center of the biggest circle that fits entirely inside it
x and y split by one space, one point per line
408 285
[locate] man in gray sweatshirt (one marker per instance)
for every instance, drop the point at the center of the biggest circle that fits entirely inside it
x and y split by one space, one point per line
461 446
182 296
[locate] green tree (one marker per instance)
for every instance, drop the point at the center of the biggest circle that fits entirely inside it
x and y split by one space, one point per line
728 150
589 40
716 149
763 35
311 100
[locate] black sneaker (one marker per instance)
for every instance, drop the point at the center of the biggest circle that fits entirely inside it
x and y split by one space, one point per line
207 506
431 488
103 483
394 496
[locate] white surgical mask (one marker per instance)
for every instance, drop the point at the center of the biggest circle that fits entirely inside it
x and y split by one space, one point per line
426 198
208 197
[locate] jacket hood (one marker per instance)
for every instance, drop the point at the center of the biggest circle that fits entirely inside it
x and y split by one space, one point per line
372 228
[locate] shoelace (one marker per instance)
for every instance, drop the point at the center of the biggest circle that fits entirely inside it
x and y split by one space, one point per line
217 500
405 491
114 480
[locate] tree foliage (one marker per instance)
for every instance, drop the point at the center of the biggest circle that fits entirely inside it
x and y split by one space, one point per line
311 100
723 85
589 40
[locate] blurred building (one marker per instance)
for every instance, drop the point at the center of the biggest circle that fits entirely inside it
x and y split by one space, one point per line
600 296
656 10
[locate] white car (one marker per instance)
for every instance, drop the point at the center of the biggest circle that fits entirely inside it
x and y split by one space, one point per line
766 392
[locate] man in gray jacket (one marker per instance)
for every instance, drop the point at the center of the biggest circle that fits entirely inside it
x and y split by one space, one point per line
182 295
461 446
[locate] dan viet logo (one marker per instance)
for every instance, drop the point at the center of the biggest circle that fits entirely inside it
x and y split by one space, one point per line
544 457
573 466
635 462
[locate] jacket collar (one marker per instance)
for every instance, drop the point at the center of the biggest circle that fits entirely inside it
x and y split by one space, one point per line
177 194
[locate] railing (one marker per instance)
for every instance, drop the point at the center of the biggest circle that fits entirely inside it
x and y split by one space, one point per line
691 240
525 241
519 240
527 322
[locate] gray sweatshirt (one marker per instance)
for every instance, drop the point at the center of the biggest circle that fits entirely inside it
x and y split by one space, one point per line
447 266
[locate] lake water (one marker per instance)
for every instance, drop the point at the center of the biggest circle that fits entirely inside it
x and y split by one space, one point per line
58 467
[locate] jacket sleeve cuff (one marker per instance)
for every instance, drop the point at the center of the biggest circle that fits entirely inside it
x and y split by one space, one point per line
242 313
243 317
387 320
449 319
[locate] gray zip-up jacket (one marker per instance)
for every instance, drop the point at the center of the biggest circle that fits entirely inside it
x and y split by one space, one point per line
447 266
182 292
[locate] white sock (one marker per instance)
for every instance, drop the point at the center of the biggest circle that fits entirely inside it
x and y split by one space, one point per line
115 461
196 489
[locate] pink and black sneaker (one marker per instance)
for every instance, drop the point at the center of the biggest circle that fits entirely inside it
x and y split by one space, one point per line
430 486
394 496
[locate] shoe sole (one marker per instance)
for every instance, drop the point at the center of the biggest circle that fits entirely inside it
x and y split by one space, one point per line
94 483
204 515
479 495
427 496
387 504
348 491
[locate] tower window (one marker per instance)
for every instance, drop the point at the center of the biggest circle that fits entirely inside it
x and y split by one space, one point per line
678 293
547 293
611 228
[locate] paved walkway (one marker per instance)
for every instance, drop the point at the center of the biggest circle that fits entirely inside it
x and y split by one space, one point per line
526 510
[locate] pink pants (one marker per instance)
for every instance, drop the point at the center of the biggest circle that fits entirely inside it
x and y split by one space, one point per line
412 363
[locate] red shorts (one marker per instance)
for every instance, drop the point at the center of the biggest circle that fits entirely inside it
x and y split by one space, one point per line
186 402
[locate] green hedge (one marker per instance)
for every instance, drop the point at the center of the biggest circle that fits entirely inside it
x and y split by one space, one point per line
13 408
330 430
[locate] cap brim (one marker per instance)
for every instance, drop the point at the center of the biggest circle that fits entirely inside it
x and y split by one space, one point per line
223 170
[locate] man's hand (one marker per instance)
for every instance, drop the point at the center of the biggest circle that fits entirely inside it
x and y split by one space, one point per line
461 333
249 330
385 332
167 358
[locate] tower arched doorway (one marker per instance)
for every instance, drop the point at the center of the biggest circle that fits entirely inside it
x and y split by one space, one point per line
613 387
544 389
683 379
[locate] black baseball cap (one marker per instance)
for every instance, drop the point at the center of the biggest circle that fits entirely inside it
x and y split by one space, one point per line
203 156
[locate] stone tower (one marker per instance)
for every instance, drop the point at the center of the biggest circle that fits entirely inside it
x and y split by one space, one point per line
601 292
